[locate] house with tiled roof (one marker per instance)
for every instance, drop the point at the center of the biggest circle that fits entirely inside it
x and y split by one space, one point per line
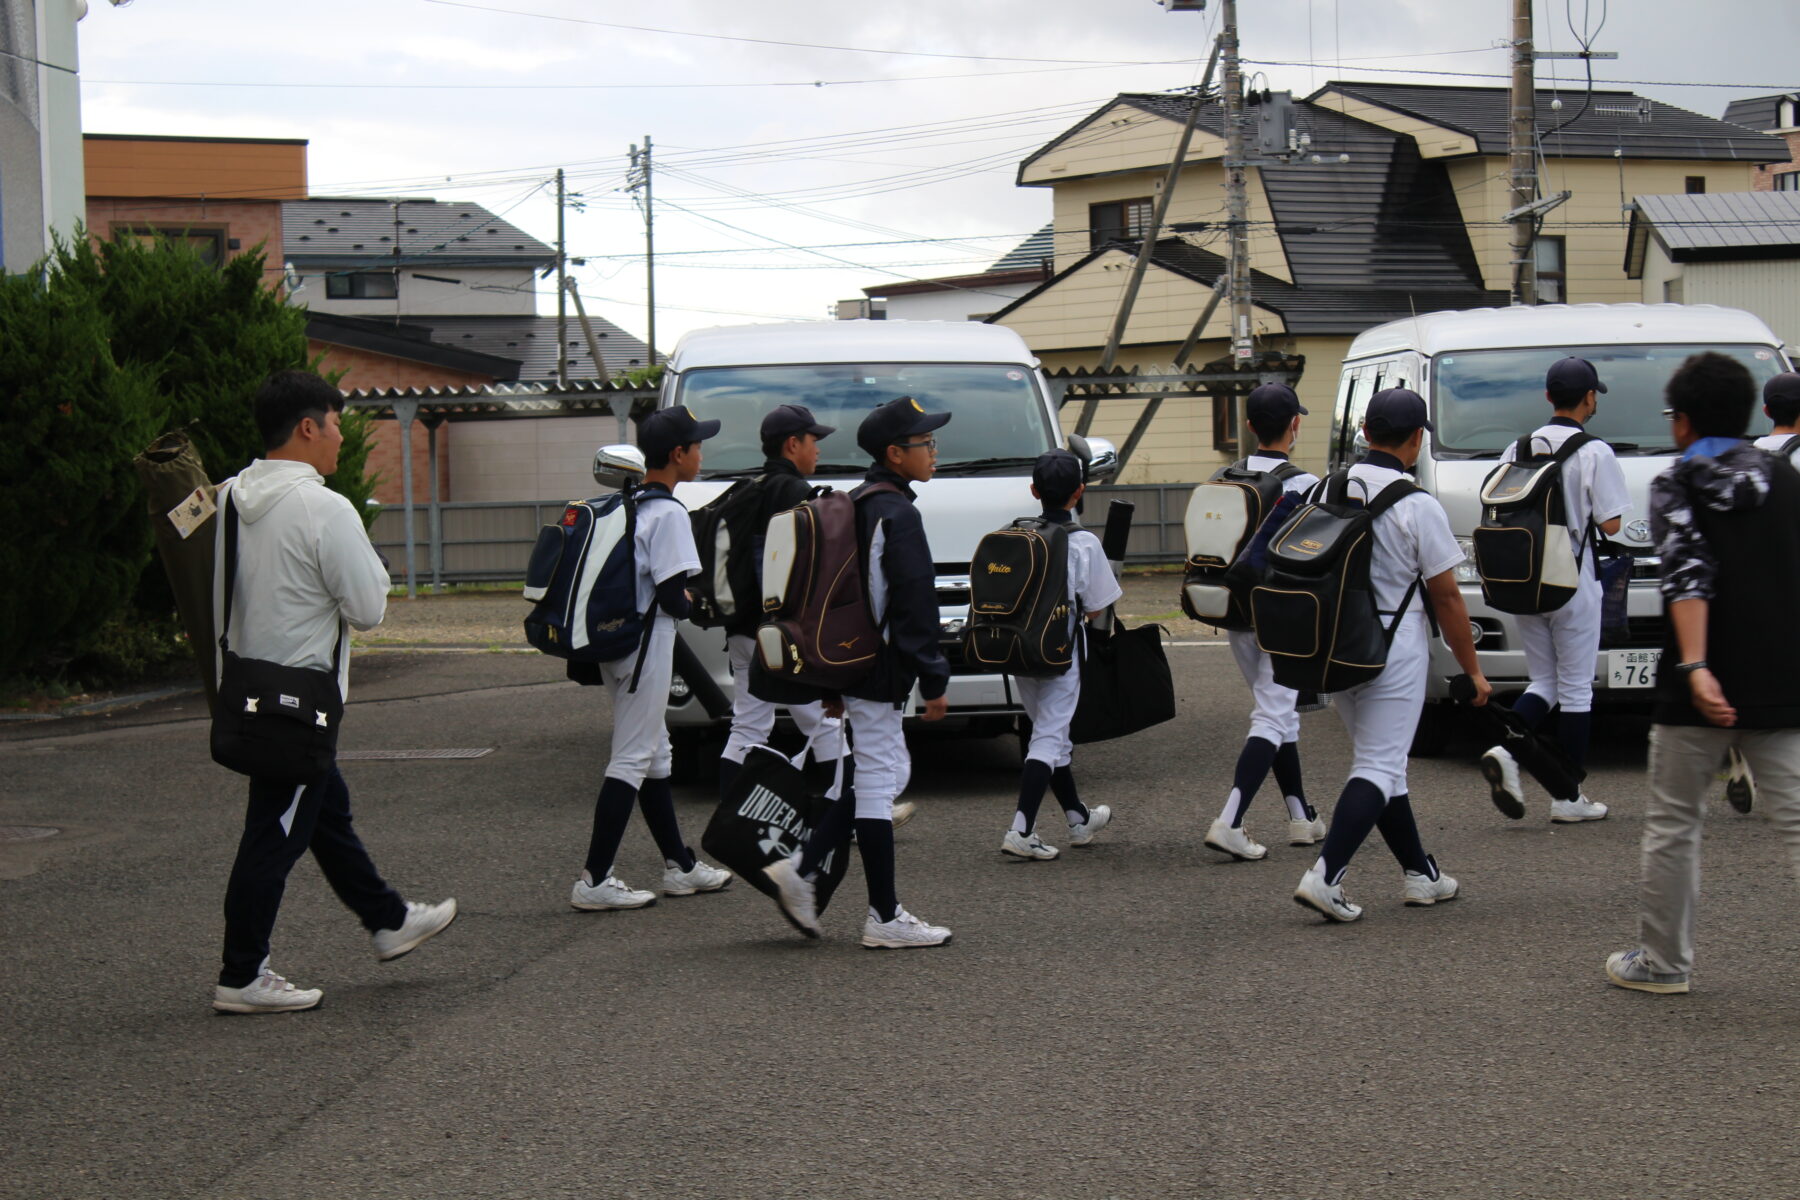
972 297
1394 208
1778 115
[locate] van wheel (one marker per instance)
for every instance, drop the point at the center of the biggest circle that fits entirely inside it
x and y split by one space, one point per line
695 754
1438 725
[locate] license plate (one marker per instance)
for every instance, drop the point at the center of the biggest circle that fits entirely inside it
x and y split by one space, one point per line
1630 668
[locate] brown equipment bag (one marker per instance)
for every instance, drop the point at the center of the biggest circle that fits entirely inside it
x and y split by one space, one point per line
180 499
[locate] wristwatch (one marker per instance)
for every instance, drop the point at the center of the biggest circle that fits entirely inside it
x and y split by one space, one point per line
1688 668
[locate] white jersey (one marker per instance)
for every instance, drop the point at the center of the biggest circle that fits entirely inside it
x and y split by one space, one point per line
1412 539
1773 442
1091 583
1268 462
664 547
1593 485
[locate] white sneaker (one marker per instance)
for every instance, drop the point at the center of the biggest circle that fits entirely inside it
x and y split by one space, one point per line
703 878
1422 890
1567 812
1099 817
794 894
1234 841
904 932
1321 897
1306 833
423 922
609 893
903 812
1026 845
267 993
1501 771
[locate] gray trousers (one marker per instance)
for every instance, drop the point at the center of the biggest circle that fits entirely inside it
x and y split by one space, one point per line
1683 762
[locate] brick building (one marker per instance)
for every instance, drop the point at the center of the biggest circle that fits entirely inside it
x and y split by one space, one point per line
1778 115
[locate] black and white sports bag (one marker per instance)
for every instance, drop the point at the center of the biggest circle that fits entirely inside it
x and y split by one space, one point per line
1223 514
1523 552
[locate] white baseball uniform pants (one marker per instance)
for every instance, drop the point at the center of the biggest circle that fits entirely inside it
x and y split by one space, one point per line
1382 714
1272 715
1560 648
753 720
1050 703
883 766
640 730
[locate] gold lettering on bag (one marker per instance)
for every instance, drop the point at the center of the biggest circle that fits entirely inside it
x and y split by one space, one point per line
999 569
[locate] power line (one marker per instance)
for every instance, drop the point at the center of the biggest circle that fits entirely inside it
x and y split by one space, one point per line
1273 62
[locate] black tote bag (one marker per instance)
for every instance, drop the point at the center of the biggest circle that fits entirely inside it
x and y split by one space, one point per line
770 811
1125 684
272 721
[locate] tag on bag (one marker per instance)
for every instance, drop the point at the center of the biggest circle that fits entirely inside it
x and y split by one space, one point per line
193 512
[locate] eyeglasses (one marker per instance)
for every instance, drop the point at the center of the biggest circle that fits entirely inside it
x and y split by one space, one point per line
929 443
1668 414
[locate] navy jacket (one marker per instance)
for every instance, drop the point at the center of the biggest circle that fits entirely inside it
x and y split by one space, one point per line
912 650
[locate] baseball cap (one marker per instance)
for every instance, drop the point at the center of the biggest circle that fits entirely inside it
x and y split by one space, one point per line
668 428
1782 388
1573 375
896 421
792 420
1057 473
1396 412
1275 401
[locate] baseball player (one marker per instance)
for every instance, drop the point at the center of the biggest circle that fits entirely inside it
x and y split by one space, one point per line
1273 412
1781 404
1561 645
1412 542
1058 479
641 760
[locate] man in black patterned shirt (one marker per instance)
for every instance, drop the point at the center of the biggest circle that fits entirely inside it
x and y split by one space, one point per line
1726 522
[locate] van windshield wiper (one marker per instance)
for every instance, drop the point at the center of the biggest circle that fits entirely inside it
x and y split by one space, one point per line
969 466
841 469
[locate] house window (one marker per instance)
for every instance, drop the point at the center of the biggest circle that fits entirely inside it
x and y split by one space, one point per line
361 285
1696 185
1118 221
209 244
1788 181
1552 272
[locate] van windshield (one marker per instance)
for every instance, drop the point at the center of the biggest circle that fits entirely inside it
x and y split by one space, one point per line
998 425
1484 400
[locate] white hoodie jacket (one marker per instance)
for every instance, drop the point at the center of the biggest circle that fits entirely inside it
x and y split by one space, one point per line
305 567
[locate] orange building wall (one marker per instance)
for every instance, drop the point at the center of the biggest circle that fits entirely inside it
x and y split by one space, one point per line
365 370
195 167
251 222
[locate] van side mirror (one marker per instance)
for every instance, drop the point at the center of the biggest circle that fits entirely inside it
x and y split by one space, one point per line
1102 458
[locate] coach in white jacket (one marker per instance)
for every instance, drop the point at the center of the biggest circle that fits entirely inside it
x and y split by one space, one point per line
305 571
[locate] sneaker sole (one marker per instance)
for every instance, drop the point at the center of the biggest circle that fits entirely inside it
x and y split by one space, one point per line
610 907
409 947
1211 845
1329 914
695 891
805 930
1511 807
1423 902
1644 985
1579 820
1029 857
1740 796
880 945
226 1008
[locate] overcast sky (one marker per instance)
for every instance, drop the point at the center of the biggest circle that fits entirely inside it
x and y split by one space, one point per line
479 101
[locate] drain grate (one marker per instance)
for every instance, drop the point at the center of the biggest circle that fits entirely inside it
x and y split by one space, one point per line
27 833
400 755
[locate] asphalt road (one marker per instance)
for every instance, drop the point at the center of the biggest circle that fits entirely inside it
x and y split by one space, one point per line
1138 1018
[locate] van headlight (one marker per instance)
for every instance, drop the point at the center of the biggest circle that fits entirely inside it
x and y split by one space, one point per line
1465 570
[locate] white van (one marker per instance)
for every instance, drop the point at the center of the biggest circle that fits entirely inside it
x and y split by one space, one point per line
1482 373
1003 419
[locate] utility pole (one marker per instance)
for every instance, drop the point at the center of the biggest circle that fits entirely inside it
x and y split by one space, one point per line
396 262
1522 157
562 290
639 178
1237 199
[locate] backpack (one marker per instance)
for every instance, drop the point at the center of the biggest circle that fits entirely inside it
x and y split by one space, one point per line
1019 601
1522 550
725 535
1315 610
582 582
1223 514
819 629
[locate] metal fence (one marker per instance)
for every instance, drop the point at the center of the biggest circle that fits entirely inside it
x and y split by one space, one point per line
490 541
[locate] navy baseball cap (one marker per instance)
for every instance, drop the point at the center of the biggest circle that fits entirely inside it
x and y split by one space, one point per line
1275 401
793 420
1396 412
1573 375
1782 388
667 429
1056 474
896 421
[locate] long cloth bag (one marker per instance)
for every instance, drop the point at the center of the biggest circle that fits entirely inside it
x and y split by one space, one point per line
181 499
1125 684
770 811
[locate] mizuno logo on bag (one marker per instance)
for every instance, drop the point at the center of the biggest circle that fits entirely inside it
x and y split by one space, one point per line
850 644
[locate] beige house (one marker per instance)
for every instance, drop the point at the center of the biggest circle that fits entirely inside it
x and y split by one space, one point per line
1395 209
